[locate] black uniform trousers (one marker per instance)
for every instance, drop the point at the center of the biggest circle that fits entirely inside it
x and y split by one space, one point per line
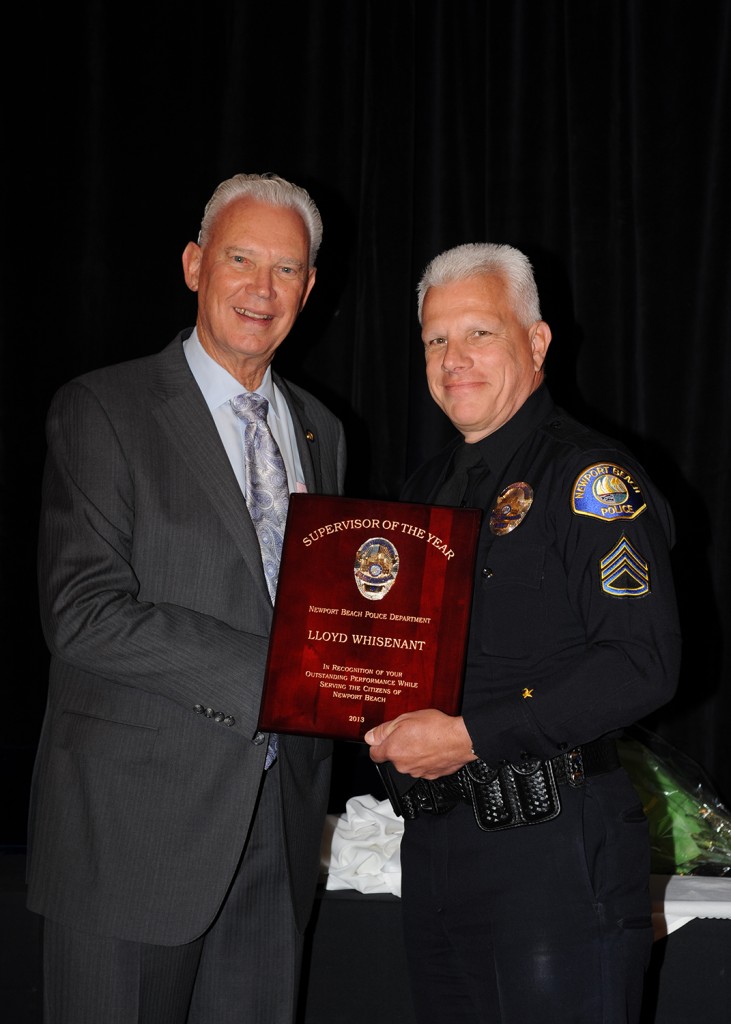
548 922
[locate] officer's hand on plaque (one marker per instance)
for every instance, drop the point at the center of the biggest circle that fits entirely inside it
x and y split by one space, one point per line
426 744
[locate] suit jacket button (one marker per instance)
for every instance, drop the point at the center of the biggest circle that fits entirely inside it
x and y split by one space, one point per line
229 720
209 712
219 716
199 709
259 738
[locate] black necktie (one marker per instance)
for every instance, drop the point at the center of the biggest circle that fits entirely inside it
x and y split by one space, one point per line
452 491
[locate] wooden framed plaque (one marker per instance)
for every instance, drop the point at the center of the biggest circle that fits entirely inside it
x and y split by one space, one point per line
371 616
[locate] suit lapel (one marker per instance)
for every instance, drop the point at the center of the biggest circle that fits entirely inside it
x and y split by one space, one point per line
308 444
183 415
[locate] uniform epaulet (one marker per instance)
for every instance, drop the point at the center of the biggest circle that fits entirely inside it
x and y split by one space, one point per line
566 429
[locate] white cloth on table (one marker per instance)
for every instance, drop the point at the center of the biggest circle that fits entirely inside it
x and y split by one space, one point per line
361 847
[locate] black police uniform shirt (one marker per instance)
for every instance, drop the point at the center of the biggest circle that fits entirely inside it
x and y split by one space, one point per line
574 628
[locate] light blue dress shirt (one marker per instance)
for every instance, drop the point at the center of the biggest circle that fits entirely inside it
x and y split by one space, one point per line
218 388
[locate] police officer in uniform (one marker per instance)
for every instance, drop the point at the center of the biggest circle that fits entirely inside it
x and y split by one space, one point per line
525 856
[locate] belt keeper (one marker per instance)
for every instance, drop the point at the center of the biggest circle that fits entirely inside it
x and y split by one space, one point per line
574 762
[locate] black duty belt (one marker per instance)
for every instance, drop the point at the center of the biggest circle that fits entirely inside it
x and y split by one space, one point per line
506 795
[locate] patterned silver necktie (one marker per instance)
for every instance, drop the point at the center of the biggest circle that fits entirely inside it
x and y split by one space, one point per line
267 494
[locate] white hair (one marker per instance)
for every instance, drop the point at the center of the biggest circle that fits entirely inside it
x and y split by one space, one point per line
269 189
474 258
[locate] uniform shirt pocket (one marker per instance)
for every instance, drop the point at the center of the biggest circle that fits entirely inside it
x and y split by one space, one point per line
520 566
509 614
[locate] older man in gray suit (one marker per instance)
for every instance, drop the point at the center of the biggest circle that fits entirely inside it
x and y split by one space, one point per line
174 871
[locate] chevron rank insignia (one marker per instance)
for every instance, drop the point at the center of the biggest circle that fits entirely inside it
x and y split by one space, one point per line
607 491
623 572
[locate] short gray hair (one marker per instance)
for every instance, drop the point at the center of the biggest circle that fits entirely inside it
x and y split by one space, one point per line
269 189
474 258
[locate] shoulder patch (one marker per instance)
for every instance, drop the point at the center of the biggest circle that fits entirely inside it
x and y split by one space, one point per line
607 491
623 571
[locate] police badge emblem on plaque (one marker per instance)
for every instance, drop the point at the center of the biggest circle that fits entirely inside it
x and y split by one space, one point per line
376 567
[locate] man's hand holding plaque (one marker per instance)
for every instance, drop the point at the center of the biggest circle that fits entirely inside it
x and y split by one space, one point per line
424 744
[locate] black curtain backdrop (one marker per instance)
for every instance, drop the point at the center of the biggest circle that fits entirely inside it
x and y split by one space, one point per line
593 134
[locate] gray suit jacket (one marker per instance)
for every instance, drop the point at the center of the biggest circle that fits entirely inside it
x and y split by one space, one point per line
153 602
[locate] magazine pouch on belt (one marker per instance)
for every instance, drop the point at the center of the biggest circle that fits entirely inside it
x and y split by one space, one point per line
512 794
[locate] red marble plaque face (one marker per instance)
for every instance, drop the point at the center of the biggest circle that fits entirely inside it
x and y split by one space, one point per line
371 616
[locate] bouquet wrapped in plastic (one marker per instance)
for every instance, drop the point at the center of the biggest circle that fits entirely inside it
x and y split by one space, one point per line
690 828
